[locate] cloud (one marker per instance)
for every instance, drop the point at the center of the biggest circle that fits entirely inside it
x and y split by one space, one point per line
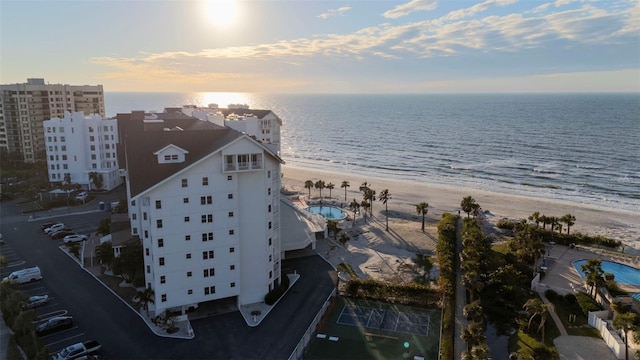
470 11
413 5
334 12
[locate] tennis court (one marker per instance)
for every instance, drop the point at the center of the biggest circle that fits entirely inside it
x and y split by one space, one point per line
365 329
385 319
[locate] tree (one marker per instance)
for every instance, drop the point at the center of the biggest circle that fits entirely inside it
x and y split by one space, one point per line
74 248
104 254
544 220
332 226
145 297
593 272
535 217
625 321
422 209
364 205
3 262
130 261
385 197
308 185
570 220
345 185
330 186
472 280
468 204
355 207
320 185
473 311
535 307
96 179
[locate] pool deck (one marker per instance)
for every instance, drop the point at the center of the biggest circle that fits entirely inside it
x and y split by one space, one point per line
564 278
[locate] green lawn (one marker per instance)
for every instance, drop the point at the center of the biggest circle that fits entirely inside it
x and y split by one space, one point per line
357 342
580 326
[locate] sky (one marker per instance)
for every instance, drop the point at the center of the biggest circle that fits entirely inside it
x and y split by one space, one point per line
304 46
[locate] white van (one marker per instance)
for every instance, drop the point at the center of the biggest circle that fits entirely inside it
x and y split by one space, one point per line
82 196
24 276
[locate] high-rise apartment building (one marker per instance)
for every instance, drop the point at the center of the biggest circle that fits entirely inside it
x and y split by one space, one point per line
82 150
23 108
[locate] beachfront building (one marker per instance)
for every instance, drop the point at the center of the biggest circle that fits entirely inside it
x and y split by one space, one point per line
82 150
204 200
23 108
263 125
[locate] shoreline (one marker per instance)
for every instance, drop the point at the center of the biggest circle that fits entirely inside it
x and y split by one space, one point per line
617 224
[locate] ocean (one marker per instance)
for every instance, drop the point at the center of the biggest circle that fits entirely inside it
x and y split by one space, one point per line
582 148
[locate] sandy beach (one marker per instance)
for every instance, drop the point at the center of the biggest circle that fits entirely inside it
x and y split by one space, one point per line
371 247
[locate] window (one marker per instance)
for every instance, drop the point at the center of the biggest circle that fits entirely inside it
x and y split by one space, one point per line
205 181
185 183
189 292
206 218
232 249
268 174
148 269
93 156
188 256
186 219
161 261
146 251
209 272
92 138
164 297
230 213
187 237
160 243
159 223
146 234
269 241
133 203
269 224
270 274
134 216
269 208
163 279
229 196
189 273
269 191
231 232
206 200
210 290
233 284
269 258
232 267
229 177
144 216
207 255
185 200
158 204
167 157
207 236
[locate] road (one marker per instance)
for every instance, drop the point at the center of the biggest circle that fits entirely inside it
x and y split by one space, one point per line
104 317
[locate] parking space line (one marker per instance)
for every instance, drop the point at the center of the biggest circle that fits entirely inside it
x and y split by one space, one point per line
63 340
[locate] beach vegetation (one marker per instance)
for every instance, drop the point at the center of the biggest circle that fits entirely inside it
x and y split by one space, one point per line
587 303
332 227
422 209
320 184
570 220
593 272
330 186
364 204
345 185
406 293
446 253
627 320
354 206
535 217
385 196
309 185
368 195
468 205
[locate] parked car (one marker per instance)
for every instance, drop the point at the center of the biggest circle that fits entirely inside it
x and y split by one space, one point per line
60 230
35 301
48 224
61 234
54 324
77 350
24 276
82 196
75 238
53 228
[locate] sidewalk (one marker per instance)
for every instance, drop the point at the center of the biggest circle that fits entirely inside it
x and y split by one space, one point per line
554 315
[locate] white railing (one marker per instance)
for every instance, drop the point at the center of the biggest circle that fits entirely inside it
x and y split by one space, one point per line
306 338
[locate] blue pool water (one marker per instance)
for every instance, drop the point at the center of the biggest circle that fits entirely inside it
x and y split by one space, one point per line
327 212
623 274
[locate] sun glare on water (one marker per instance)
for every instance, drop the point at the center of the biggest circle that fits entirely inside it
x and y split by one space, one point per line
222 12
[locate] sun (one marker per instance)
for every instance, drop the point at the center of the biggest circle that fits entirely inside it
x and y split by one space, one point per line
222 12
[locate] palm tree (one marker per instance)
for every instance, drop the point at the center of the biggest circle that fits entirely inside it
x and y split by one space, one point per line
330 186
535 217
355 207
365 205
472 311
570 220
345 185
544 220
320 185
145 297
332 226
104 254
626 321
472 280
422 209
593 271
468 204
371 197
385 197
308 185
96 179
535 307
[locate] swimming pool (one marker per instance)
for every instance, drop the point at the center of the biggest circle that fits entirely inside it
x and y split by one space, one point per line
624 274
327 212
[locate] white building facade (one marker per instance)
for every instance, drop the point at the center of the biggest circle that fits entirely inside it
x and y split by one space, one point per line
23 108
79 148
208 220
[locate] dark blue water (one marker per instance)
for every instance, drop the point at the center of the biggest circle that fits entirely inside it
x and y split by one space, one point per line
578 147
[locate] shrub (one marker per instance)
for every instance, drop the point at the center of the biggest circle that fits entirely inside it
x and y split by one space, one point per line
275 294
403 293
506 224
551 295
587 303
570 299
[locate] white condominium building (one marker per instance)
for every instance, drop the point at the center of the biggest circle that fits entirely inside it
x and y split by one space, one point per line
23 108
82 150
204 200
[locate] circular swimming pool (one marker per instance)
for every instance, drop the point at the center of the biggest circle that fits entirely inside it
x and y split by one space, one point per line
327 212
624 274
